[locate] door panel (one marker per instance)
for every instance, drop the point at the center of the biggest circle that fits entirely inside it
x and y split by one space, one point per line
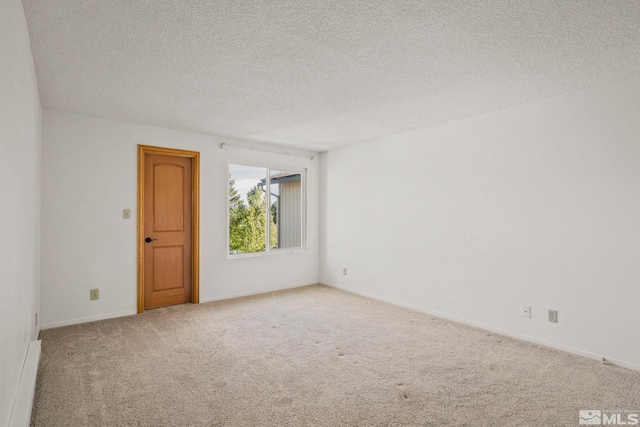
168 197
165 274
167 221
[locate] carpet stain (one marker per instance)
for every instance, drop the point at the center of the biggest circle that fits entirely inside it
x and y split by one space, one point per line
284 401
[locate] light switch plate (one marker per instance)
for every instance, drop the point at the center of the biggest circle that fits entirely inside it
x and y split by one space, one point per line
126 213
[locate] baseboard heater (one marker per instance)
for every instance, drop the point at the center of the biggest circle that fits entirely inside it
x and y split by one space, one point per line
21 413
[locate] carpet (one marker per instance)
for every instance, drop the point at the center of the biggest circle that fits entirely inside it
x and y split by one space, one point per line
311 356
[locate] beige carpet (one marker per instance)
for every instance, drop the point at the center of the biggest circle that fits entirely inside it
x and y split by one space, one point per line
312 356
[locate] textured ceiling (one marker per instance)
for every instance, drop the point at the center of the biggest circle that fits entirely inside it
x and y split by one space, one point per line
320 74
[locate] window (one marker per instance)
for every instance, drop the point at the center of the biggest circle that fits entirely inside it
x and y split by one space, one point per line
266 209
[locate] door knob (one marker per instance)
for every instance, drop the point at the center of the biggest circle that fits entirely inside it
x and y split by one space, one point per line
149 240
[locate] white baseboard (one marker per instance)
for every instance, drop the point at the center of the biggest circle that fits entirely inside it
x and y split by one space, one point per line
87 319
35 334
202 300
567 349
258 292
21 412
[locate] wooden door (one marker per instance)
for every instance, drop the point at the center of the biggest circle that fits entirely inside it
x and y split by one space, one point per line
168 230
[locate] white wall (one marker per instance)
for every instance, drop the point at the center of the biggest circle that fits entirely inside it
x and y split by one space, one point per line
19 199
89 173
534 205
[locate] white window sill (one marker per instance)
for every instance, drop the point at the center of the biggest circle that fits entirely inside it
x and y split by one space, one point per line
269 253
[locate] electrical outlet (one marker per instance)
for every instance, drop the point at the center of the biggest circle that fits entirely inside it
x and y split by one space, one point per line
553 316
94 294
126 213
525 311
344 271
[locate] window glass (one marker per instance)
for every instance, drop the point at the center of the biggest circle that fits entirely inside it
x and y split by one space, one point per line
265 205
247 207
286 209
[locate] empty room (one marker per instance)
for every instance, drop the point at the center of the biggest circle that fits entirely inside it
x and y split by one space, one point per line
319 213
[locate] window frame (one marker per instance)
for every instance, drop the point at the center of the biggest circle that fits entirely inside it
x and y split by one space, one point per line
303 209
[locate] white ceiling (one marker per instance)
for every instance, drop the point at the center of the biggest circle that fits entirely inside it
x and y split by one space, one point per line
320 74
